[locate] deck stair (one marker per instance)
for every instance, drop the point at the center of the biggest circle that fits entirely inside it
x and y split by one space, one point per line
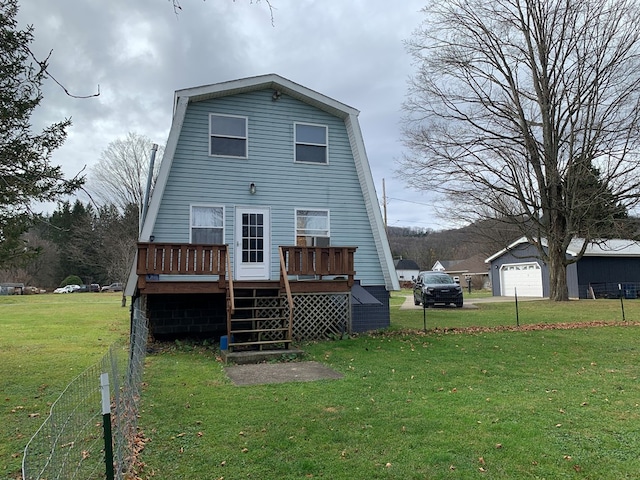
260 319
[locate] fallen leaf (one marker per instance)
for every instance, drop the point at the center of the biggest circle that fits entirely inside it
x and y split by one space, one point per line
244 450
481 460
452 467
34 415
498 445
180 435
199 434
85 454
482 469
577 468
388 465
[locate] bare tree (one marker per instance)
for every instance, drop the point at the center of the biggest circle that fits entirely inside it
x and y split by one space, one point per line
177 7
517 105
120 177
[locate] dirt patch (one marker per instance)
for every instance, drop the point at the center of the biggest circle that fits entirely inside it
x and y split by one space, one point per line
264 373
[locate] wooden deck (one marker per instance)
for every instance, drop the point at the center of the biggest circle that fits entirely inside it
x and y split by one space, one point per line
259 312
307 269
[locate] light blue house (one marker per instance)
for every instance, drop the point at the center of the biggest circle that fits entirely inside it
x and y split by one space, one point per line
264 223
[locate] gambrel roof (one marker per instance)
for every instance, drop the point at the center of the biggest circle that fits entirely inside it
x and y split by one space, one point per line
280 86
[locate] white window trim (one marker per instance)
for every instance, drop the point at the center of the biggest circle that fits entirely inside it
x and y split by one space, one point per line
246 137
325 145
207 205
295 221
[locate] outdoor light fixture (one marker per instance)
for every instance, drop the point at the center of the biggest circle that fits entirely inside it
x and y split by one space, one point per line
276 95
252 188
151 238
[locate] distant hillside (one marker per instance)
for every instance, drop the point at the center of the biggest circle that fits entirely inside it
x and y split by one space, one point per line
483 238
425 247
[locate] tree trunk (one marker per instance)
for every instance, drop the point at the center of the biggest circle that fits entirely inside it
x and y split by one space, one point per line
558 289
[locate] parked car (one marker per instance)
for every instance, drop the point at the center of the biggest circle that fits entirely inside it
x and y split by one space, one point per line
433 288
114 287
65 289
93 287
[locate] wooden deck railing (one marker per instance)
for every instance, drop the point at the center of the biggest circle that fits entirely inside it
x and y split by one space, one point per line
191 259
320 261
182 259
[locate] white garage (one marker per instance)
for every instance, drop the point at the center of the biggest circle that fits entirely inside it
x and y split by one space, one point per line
523 278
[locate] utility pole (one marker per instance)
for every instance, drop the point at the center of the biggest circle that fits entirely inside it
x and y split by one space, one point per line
384 203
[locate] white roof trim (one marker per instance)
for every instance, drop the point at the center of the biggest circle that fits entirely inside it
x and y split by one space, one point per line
596 248
276 82
371 202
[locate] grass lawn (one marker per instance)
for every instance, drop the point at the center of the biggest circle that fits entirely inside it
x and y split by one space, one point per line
501 405
45 342
557 403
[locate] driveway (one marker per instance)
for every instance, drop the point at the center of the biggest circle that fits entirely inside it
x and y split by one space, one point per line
470 302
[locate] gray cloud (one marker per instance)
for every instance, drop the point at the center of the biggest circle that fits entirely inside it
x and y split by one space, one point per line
141 52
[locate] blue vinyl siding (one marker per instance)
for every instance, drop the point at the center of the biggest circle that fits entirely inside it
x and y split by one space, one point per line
281 184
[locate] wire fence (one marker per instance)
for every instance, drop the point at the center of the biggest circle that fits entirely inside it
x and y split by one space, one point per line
628 290
70 443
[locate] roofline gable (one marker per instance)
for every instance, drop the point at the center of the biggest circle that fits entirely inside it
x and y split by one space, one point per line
262 82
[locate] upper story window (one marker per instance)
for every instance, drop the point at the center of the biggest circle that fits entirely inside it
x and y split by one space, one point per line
207 225
311 143
227 136
312 228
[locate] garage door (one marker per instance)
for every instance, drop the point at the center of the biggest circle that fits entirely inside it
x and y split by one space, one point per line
526 278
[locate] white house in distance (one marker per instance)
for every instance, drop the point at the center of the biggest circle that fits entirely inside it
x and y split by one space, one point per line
264 224
407 270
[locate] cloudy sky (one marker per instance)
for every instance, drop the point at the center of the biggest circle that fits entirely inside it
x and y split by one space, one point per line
139 52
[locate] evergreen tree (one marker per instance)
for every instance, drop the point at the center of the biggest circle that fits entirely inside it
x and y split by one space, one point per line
26 173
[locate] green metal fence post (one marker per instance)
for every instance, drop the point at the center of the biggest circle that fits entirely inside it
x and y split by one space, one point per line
106 424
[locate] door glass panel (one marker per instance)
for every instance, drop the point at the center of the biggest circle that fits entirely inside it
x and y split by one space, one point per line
252 238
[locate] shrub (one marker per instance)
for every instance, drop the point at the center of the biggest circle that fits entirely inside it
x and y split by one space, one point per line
71 280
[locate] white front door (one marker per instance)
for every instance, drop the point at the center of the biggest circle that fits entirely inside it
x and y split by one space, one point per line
253 244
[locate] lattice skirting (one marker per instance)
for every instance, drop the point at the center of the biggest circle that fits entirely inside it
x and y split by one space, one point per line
317 316
321 316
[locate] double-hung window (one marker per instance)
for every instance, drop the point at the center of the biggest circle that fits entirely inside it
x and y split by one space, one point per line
227 136
207 225
311 143
312 228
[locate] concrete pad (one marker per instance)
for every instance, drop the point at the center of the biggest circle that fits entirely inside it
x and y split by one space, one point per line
264 373
259 356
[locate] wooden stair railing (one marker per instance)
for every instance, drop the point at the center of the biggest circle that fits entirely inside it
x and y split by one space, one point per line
230 294
284 280
259 319
260 316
